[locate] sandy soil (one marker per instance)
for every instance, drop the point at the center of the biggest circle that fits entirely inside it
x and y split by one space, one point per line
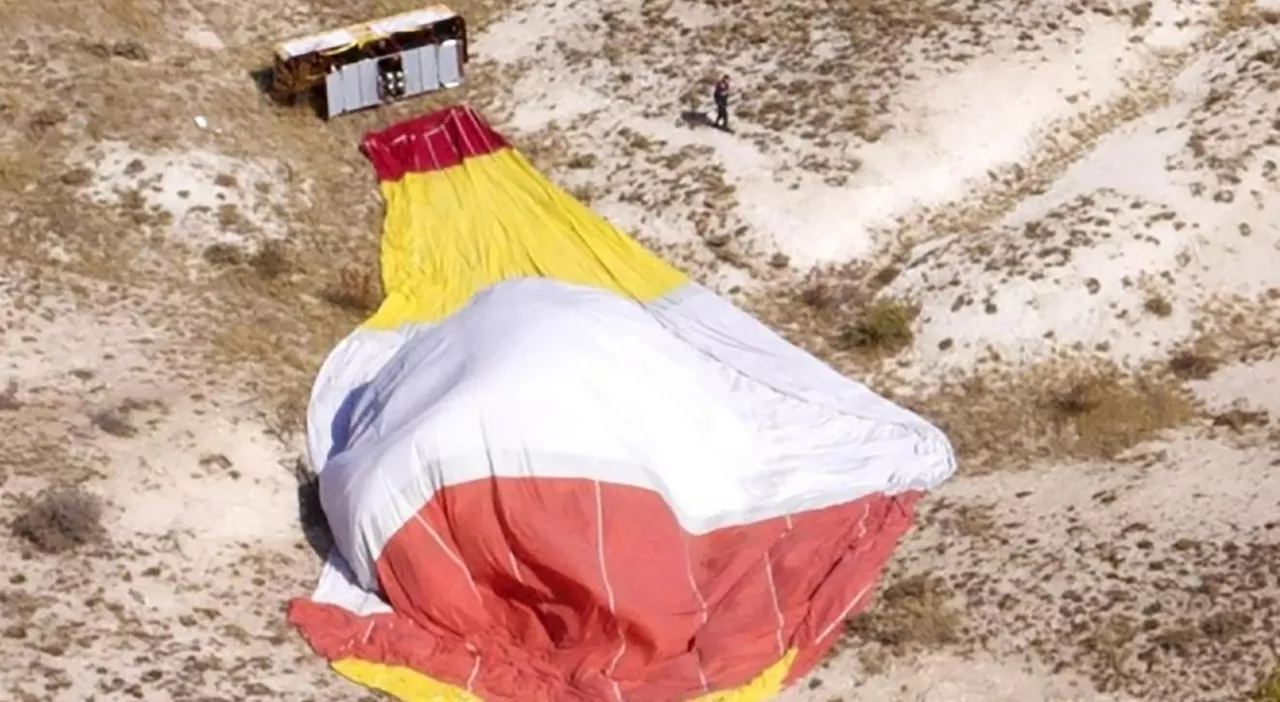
1075 203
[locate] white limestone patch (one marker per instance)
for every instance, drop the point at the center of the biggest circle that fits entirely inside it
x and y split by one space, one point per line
199 197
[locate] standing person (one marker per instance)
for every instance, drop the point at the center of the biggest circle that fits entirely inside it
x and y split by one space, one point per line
721 96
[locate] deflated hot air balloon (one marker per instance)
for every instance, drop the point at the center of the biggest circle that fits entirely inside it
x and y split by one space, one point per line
557 470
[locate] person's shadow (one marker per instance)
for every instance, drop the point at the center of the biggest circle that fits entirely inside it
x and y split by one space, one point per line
698 118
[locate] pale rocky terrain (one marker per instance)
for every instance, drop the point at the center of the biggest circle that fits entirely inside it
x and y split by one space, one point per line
1069 214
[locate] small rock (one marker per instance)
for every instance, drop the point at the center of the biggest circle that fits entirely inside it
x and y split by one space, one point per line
215 460
780 260
97 49
130 50
76 177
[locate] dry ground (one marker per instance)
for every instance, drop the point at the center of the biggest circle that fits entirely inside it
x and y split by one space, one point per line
1051 227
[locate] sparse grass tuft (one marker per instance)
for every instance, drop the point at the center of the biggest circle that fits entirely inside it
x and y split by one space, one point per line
1074 400
17 172
61 520
883 327
964 520
1082 410
913 614
1101 413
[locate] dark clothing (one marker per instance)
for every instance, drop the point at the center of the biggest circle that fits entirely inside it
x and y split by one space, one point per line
721 97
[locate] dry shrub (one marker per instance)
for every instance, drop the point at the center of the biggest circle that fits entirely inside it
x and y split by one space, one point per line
883 327
271 260
1190 364
223 255
1268 688
1063 409
61 520
912 614
357 290
9 401
1158 305
964 520
885 276
582 161
1141 14
831 289
822 296
1238 14
116 422
1240 419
